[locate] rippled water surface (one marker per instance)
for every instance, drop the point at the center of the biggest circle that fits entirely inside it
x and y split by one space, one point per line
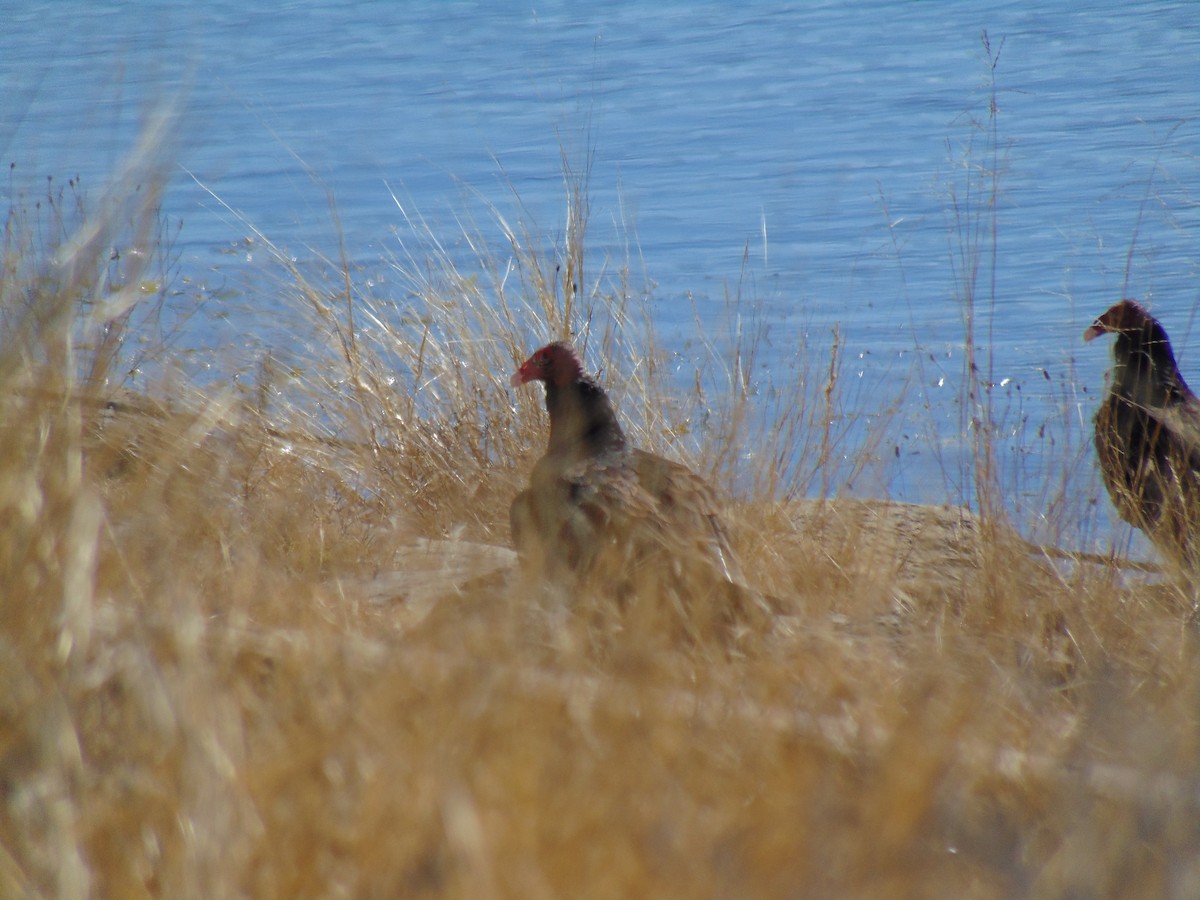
813 154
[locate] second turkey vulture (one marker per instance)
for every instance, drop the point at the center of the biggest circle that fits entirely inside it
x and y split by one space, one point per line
1148 434
599 509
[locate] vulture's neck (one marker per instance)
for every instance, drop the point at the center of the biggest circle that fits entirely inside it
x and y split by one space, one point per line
1145 371
582 421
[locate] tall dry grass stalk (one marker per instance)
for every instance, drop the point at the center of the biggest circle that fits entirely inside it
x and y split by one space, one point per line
248 649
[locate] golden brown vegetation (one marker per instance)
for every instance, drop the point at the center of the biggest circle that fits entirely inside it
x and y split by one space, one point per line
264 642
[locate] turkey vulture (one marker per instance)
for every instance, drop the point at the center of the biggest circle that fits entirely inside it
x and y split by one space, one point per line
1148 434
599 509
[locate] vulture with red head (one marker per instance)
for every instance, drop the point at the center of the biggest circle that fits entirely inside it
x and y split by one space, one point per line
598 509
1148 434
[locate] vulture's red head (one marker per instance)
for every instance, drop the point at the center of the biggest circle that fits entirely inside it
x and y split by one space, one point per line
554 364
1125 317
1145 369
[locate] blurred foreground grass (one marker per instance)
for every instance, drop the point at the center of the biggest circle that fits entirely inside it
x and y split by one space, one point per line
264 640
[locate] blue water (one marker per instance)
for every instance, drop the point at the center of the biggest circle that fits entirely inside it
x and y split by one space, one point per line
812 154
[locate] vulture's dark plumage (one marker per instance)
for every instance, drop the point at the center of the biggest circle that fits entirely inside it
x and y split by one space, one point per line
1148 434
597 508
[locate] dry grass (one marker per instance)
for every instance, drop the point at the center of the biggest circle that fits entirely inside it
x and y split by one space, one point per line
253 644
